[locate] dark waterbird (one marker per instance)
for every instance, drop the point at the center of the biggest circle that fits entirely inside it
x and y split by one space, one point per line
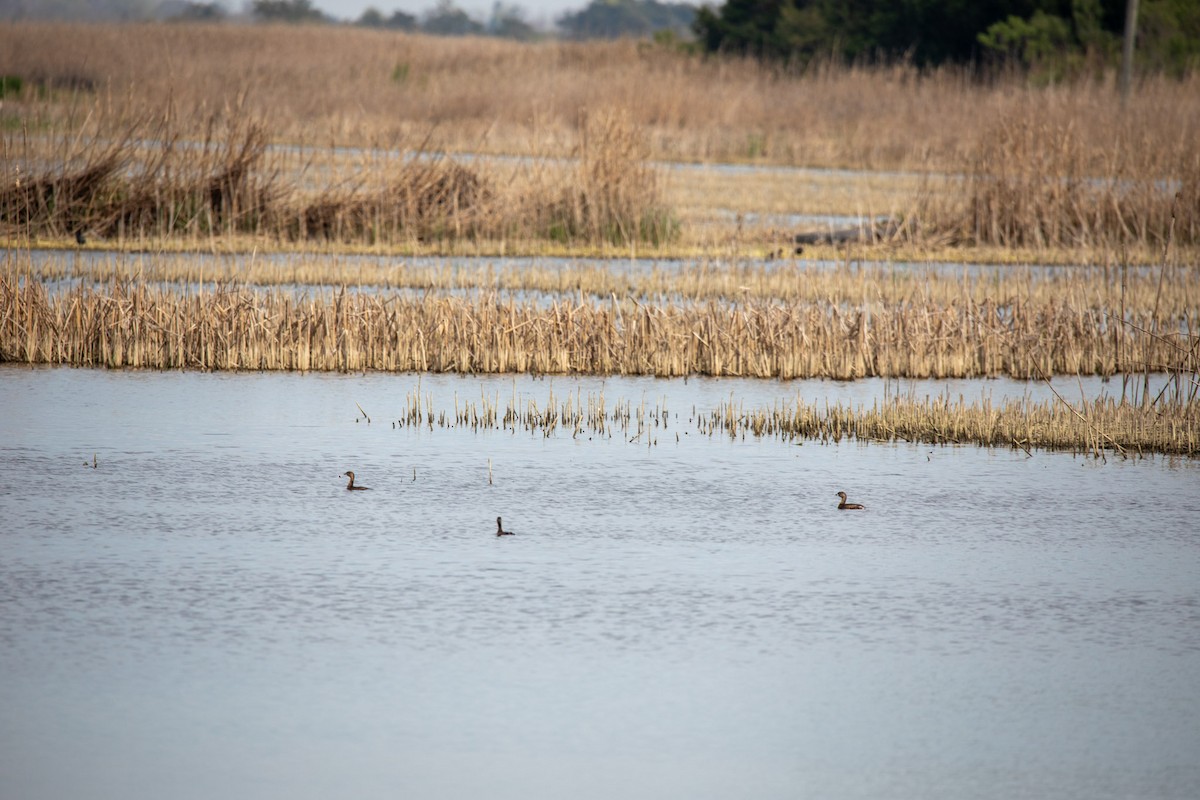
350 486
844 506
500 529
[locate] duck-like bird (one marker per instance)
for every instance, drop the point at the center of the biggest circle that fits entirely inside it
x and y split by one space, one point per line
500 529
844 506
350 486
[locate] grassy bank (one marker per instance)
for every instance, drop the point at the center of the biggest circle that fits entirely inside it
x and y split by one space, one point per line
152 132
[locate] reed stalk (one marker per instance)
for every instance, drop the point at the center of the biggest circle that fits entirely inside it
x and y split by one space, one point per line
1169 294
1095 428
1092 428
227 327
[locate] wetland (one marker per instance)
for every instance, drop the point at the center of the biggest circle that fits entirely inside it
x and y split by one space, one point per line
227 283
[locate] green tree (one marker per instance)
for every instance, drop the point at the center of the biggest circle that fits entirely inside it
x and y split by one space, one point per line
925 31
611 19
287 11
1035 41
446 19
198 12
508 22
401 21
1169 36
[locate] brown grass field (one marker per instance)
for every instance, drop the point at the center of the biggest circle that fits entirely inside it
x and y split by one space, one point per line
112 118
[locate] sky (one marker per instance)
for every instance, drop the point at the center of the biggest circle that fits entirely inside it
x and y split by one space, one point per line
535 10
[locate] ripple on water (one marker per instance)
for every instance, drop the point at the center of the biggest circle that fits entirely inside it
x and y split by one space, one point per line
223 599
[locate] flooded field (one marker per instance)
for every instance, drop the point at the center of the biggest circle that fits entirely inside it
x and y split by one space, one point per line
207 611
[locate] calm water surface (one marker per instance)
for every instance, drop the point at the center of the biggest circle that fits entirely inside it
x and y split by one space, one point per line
209 613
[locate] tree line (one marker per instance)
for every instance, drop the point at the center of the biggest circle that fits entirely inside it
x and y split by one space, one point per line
1049 37
599 19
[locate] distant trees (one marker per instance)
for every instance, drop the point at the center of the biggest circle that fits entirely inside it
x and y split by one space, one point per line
202 12
611 19
1040 34
447 19
84 10
287 11
509 22
600 19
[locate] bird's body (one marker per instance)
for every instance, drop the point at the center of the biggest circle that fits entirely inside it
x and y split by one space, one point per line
844 506
500 529
350 486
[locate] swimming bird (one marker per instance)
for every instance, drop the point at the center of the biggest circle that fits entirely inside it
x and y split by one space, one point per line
350 486
500 529
844 506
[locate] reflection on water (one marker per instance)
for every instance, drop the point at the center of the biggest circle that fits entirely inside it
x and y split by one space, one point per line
209 613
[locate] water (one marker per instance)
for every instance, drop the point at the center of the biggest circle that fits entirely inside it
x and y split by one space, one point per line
376 270
209 613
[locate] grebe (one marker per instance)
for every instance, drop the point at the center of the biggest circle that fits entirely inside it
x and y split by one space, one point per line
350 486
500 529
844 506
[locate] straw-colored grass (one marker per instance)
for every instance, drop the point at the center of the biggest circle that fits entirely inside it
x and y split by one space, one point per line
231 328
1044 167
1097 428
1036 185
1170 296
1101 426
151 185
359 87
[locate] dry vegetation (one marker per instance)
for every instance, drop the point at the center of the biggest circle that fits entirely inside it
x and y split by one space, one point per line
1101 427
1044 168
332 141
1094 428
1171 296
966 332
137 326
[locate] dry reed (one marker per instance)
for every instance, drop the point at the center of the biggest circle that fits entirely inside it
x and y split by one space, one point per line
1055 166
1036 185
1170 296
1096 428
343 84
151 184
230 328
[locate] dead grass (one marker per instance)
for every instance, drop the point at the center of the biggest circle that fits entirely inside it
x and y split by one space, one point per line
1044 168
1097 428
151 184
132 324
358 87
1034 185
1168 296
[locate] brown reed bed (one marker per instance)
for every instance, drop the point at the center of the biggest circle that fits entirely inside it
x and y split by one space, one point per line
151 185
1103 426
576 413
1097 428
1030 184
1169 295
133 325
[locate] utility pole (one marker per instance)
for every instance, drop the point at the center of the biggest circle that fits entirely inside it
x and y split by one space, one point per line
1131 9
